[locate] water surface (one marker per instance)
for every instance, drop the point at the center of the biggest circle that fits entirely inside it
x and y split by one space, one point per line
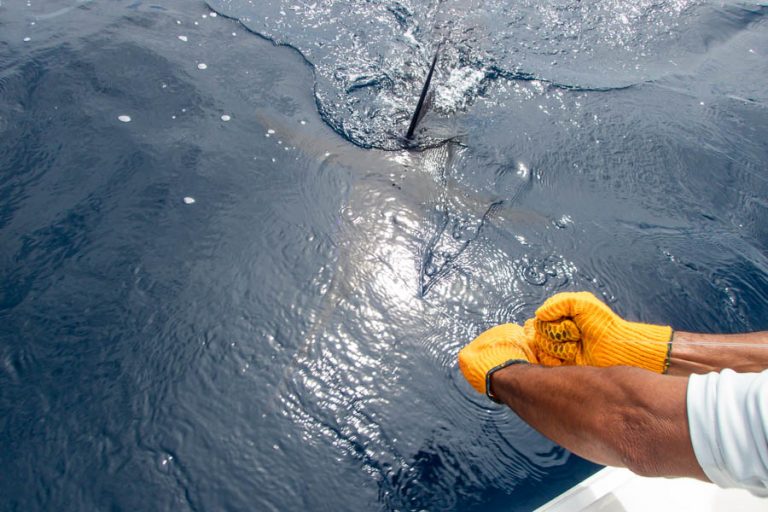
224 284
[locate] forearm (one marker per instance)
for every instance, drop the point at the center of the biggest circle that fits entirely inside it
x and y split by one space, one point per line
703 353
616 416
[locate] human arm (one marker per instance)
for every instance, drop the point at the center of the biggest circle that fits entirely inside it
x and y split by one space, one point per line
618 416
600 404
703 353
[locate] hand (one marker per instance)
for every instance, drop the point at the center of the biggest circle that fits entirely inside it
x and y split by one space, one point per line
605 338
491 351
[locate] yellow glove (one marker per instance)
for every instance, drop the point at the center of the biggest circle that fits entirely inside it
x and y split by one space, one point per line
555 343
493 350
605 338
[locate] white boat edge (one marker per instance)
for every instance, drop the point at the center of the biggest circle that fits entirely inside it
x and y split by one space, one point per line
620 490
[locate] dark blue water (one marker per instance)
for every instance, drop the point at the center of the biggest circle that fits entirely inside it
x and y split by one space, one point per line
235 301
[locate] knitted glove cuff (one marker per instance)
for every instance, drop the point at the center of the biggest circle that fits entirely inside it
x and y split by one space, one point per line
644 346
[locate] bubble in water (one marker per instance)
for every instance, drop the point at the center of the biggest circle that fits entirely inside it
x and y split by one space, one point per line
202 65
563 222
27 39
226 117
533 274
124 118
184 38
189 200
164 461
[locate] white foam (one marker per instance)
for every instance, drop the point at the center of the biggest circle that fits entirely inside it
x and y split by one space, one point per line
124 118
183 38
212 14
523 171
303 122
202 65
189 200
226 117
270 132
27 39
462 84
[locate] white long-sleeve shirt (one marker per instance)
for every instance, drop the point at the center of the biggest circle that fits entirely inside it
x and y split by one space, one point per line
728 422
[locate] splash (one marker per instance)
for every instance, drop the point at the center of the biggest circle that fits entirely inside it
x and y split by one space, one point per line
370 58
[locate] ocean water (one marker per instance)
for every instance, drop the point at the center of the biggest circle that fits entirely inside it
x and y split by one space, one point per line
228 283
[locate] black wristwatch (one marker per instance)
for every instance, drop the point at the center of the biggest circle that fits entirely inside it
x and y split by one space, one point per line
495 369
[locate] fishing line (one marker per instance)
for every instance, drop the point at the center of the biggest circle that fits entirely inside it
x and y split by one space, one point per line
676 343
416 118
696 343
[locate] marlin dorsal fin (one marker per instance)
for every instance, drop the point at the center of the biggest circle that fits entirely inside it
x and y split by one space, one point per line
420 111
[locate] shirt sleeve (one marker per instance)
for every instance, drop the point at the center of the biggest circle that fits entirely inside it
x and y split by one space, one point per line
728 423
